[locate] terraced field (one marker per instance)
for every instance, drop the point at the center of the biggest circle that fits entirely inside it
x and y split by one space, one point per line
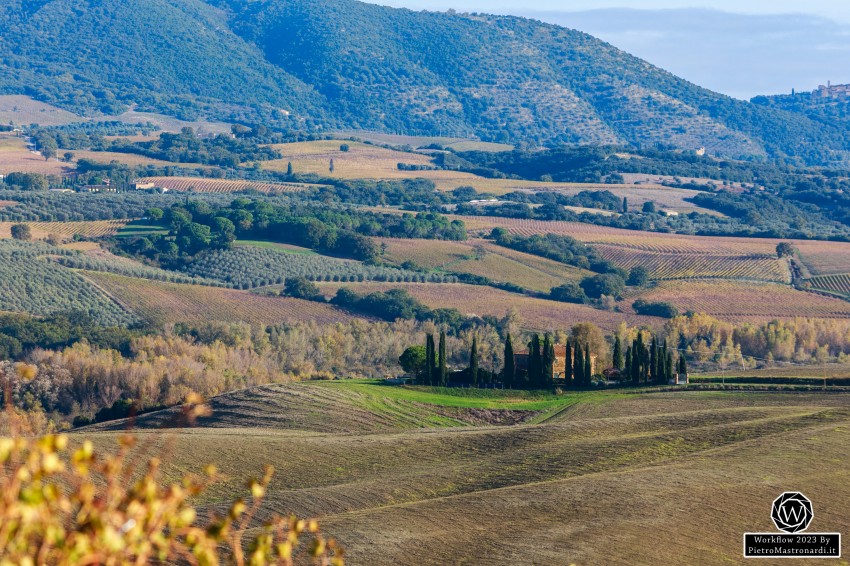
163 303
202 185
746 301
93 229
532 313
686 266
413 488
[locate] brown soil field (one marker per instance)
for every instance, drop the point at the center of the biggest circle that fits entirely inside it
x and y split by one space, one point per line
662 478
5 203
162 303
534 314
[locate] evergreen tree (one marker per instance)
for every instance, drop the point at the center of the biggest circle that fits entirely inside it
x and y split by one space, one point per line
636 361
625 205
548 362
473 362
654 361
535 363
568 366
588 367
683 367
443 369
619 363
628 366
289 168
578 366
640 357
430 357
510 370
669 366
331 168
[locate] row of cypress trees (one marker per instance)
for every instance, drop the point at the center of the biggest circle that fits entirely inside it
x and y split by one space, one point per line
655 364
436 370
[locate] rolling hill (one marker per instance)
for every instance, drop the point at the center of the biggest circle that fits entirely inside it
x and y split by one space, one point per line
344 64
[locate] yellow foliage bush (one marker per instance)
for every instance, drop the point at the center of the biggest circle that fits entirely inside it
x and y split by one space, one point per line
60 506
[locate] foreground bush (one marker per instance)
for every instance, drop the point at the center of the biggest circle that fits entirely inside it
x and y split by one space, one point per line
63 507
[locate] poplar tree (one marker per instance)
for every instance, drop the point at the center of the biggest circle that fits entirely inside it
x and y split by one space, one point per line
473 361
618 354
510 370
443 370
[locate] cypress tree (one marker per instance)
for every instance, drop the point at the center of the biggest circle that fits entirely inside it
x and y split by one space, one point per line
510 370
548 362
588 367
653 361
473 361
619 363
443 370
683 366
578 366
289 168
568 365
636 360
669 366
535 363
430 359
625 205
628 366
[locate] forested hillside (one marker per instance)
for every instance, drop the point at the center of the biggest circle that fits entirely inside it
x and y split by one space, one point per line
343 64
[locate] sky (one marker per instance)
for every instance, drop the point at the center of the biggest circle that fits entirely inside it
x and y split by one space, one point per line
741 48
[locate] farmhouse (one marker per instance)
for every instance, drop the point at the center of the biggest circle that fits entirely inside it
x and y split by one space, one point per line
521 361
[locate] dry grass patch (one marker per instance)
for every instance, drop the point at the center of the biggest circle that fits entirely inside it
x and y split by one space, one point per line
23 110
362 161
90 229
15 157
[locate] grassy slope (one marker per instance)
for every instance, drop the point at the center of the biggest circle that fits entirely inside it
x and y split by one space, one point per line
666 478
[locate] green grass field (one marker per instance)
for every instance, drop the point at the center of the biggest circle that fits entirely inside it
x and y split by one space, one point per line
418 476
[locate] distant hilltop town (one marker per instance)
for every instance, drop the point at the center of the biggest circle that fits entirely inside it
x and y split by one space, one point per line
831 91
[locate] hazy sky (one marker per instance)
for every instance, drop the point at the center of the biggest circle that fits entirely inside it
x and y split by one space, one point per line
834 9
741 48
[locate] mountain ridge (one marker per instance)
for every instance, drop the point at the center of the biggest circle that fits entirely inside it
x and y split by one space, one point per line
343 64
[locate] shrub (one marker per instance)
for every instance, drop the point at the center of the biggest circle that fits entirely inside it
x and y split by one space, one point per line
568 293
660 309
77 508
